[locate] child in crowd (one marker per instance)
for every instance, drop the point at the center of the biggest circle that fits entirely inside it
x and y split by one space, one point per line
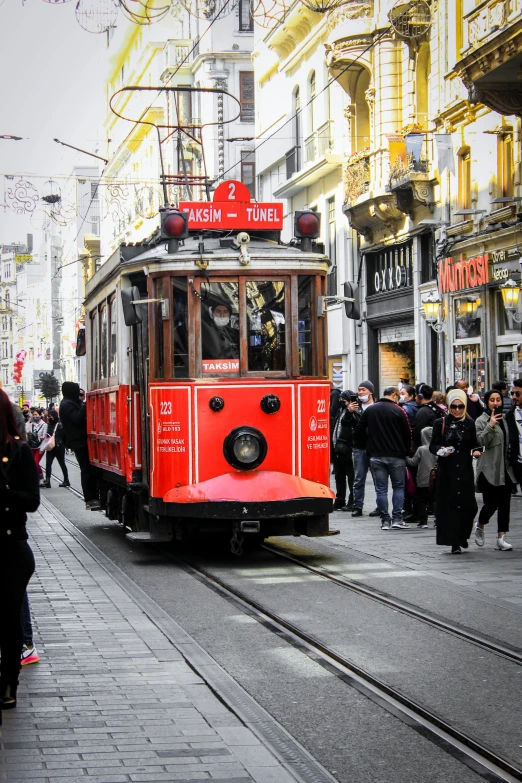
425 461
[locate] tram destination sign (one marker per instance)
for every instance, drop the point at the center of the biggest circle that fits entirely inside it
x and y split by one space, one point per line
231 208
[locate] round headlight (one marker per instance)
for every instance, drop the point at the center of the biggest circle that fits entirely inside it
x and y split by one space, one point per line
245 448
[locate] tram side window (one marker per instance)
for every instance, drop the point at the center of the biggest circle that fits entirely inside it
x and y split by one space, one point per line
158 330
95 345
113 354
103 342
304 329
220 328
265 303
181 364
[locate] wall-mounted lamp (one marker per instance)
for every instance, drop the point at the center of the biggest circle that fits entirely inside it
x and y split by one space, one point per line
510 295
432 312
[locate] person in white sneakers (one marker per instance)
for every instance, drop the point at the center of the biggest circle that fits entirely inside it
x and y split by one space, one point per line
495 475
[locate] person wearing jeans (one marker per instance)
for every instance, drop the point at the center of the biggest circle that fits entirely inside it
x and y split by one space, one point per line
393 468
388 435
365 399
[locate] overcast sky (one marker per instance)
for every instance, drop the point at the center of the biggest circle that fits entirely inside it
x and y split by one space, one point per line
53 75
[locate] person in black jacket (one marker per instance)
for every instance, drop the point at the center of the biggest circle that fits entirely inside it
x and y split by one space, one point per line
19 493
427 414
342 443
73 417
55 428
388 442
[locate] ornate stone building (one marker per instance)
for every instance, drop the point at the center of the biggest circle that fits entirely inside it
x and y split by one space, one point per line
372 112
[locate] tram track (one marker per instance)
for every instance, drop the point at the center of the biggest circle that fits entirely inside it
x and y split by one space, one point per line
483 642
462 746
470 751
504 651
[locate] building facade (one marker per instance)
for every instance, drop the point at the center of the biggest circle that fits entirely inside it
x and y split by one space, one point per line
372 115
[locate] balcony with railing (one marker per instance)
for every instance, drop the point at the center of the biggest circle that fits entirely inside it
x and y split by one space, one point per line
369 204
410 178
320 142
307 165
491 53
293 161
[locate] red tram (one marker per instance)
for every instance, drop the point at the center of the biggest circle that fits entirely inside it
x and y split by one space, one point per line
207 395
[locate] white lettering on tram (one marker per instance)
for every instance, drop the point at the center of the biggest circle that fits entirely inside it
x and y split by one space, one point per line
204 215
265 214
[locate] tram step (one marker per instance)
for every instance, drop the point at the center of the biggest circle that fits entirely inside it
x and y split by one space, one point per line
146 538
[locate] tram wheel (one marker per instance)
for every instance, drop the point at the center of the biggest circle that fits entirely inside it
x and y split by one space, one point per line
129 518
111 507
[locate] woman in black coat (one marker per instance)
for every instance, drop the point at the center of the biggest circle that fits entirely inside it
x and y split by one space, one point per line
19 493
456 506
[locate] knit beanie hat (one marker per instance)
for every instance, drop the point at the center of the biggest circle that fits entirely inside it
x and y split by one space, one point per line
368 385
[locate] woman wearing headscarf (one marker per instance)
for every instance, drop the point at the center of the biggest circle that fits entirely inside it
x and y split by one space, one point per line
19 493
454 441
495 476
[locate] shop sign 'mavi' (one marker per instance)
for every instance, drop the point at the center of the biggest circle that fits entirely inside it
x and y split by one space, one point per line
456 275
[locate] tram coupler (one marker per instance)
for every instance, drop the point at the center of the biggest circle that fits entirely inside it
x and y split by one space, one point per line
249 526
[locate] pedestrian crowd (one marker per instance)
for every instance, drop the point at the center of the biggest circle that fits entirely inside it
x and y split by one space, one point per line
26 434
437 450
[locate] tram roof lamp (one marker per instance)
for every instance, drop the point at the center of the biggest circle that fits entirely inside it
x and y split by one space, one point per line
307 226
510 294
173 227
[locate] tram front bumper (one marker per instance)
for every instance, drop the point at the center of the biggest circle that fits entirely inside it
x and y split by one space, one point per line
256 494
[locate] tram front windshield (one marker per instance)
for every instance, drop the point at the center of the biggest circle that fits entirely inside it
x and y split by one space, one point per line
220 319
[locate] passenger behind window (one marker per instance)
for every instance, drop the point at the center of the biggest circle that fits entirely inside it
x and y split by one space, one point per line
220 332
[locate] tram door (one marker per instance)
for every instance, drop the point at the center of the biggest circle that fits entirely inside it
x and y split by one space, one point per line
140 346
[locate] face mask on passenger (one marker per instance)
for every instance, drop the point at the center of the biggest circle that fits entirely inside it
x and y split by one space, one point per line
221 321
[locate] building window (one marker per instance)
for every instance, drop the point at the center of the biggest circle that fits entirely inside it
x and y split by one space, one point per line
505 163
468 317
246 20
465 178
311 103
246 96
248 172
5 354
4 323
332 248
6 376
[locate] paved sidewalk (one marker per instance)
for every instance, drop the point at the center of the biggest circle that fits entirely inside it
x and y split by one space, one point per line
113 699
414 552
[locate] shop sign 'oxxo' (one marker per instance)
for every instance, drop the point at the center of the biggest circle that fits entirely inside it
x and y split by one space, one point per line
390 279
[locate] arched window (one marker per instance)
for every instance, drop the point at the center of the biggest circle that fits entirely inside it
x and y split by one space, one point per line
311 103
297 117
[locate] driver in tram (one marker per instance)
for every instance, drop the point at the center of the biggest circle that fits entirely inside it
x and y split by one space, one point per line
220 338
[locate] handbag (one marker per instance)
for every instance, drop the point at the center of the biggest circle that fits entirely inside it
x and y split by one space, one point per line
409 486
50 443
343 450
433 471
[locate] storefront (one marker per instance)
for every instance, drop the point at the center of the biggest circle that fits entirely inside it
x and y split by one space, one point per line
390 315
483 324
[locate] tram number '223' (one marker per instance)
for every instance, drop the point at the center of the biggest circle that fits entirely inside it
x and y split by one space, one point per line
321 406
165 408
